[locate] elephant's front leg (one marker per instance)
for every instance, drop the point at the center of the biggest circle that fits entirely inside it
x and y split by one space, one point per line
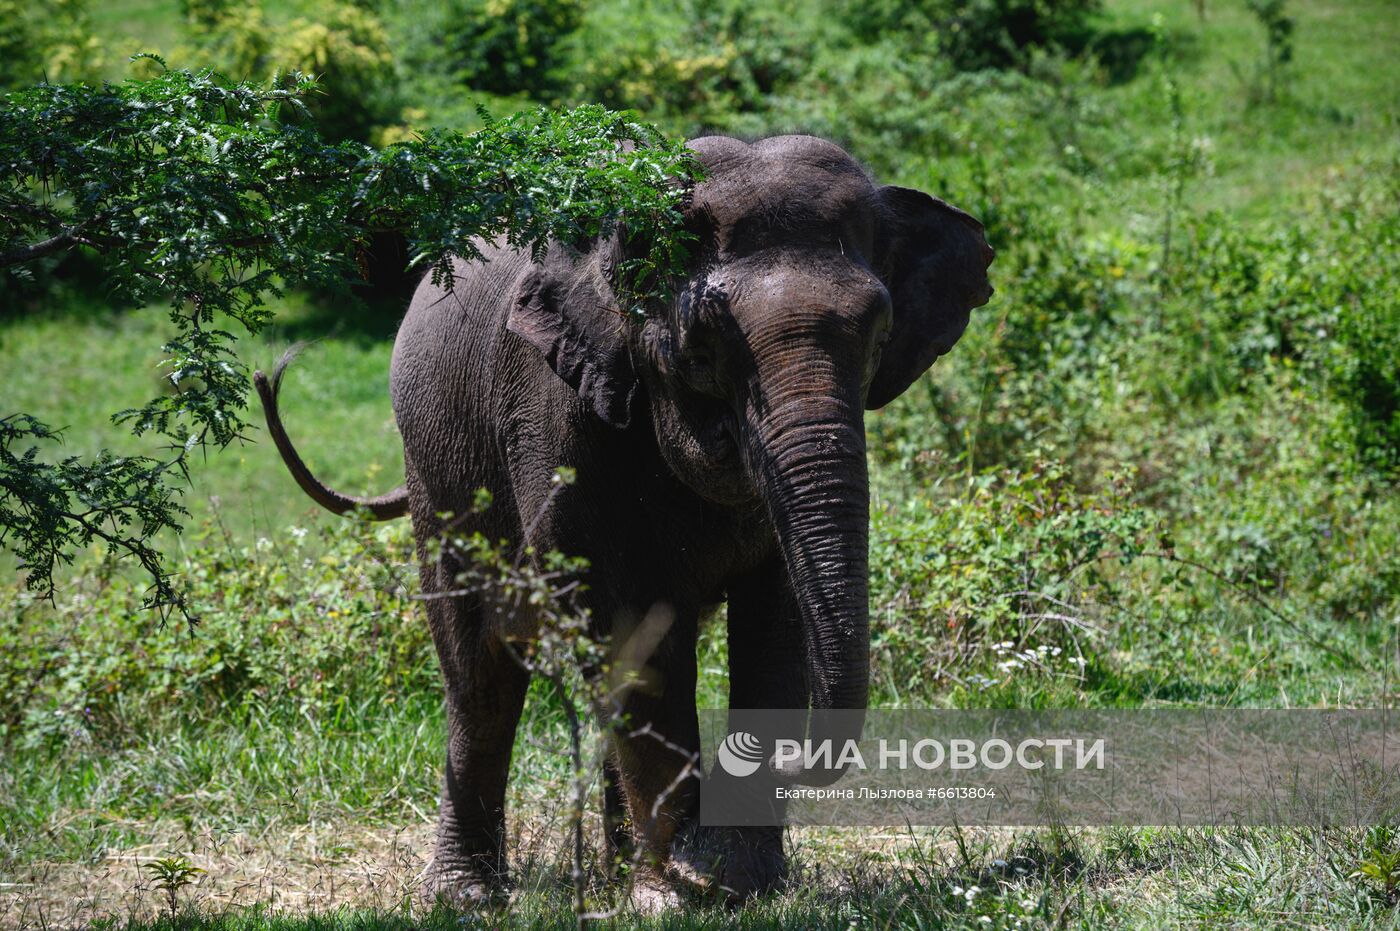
485 692
767 670
656 741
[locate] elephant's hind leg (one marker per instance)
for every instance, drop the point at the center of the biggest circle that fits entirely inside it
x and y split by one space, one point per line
485 692
617 833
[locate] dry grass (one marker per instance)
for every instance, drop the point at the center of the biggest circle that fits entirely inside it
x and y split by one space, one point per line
301 868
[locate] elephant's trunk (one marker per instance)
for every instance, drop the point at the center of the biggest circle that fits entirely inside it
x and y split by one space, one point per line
812 470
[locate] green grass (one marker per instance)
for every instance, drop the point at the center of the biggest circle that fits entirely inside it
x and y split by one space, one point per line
1341 100
80 363
1214 879
299 733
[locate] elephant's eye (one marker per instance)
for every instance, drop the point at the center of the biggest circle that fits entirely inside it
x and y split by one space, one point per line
699 324
701 306
877 348
700 370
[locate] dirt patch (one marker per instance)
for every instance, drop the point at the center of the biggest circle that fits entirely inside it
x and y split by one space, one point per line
285 868
314 868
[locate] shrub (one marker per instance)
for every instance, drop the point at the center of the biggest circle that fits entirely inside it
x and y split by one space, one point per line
347 48
1366 376
706 64
1010 561
509 46
46 41
1361 358
205 14
1303 294
976 34
1264 83
996 33
344 46
236 41
299 623
1032 371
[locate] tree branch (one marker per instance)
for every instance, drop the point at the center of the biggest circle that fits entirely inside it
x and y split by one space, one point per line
39 249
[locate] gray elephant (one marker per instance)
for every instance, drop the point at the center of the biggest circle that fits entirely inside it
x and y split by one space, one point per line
720 455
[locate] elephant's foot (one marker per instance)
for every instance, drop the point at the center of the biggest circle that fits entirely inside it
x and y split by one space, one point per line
738 863
463 884
754 862
696 859
653 894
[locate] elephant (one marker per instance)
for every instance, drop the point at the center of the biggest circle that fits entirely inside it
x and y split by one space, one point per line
718 446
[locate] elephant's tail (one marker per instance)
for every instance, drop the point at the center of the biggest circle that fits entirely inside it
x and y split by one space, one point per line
382 507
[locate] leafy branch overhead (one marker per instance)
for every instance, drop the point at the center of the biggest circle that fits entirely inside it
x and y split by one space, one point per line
200 194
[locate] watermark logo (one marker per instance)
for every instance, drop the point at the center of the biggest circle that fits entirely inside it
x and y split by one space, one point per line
1051 766
741 754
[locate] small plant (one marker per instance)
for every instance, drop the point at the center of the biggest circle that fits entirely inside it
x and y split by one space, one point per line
1381 864
171 874
1271 70
1178 151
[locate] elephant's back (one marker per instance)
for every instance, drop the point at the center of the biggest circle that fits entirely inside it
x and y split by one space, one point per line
447 358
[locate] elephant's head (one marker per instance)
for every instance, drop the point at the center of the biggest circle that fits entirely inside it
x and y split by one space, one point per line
814 294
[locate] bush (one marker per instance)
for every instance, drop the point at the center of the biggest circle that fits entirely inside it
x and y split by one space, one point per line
1361 359
1366 375
342 44
972 35
1304 295
347 48
701 65
1033 370
300 624
509 46
1009 562
1266 80
46 41
996 33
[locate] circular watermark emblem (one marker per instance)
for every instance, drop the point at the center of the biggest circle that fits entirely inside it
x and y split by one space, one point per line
741 754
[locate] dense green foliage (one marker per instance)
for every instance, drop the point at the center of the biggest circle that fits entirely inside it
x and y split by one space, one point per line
508 46
1159 470
197 192
52 39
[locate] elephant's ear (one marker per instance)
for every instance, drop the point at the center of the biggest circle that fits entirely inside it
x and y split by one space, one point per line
581 338
933 258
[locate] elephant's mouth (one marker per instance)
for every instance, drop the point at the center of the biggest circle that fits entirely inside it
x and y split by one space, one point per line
721 438
729 482
700 439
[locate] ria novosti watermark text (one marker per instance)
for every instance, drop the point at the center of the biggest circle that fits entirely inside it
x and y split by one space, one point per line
1173 766
959 753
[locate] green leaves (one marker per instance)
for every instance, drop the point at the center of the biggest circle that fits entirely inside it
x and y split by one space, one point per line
196 193
50 510
170 875
1005 572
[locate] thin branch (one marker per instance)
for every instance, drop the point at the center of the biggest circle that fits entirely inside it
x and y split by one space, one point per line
38 250
1221 577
